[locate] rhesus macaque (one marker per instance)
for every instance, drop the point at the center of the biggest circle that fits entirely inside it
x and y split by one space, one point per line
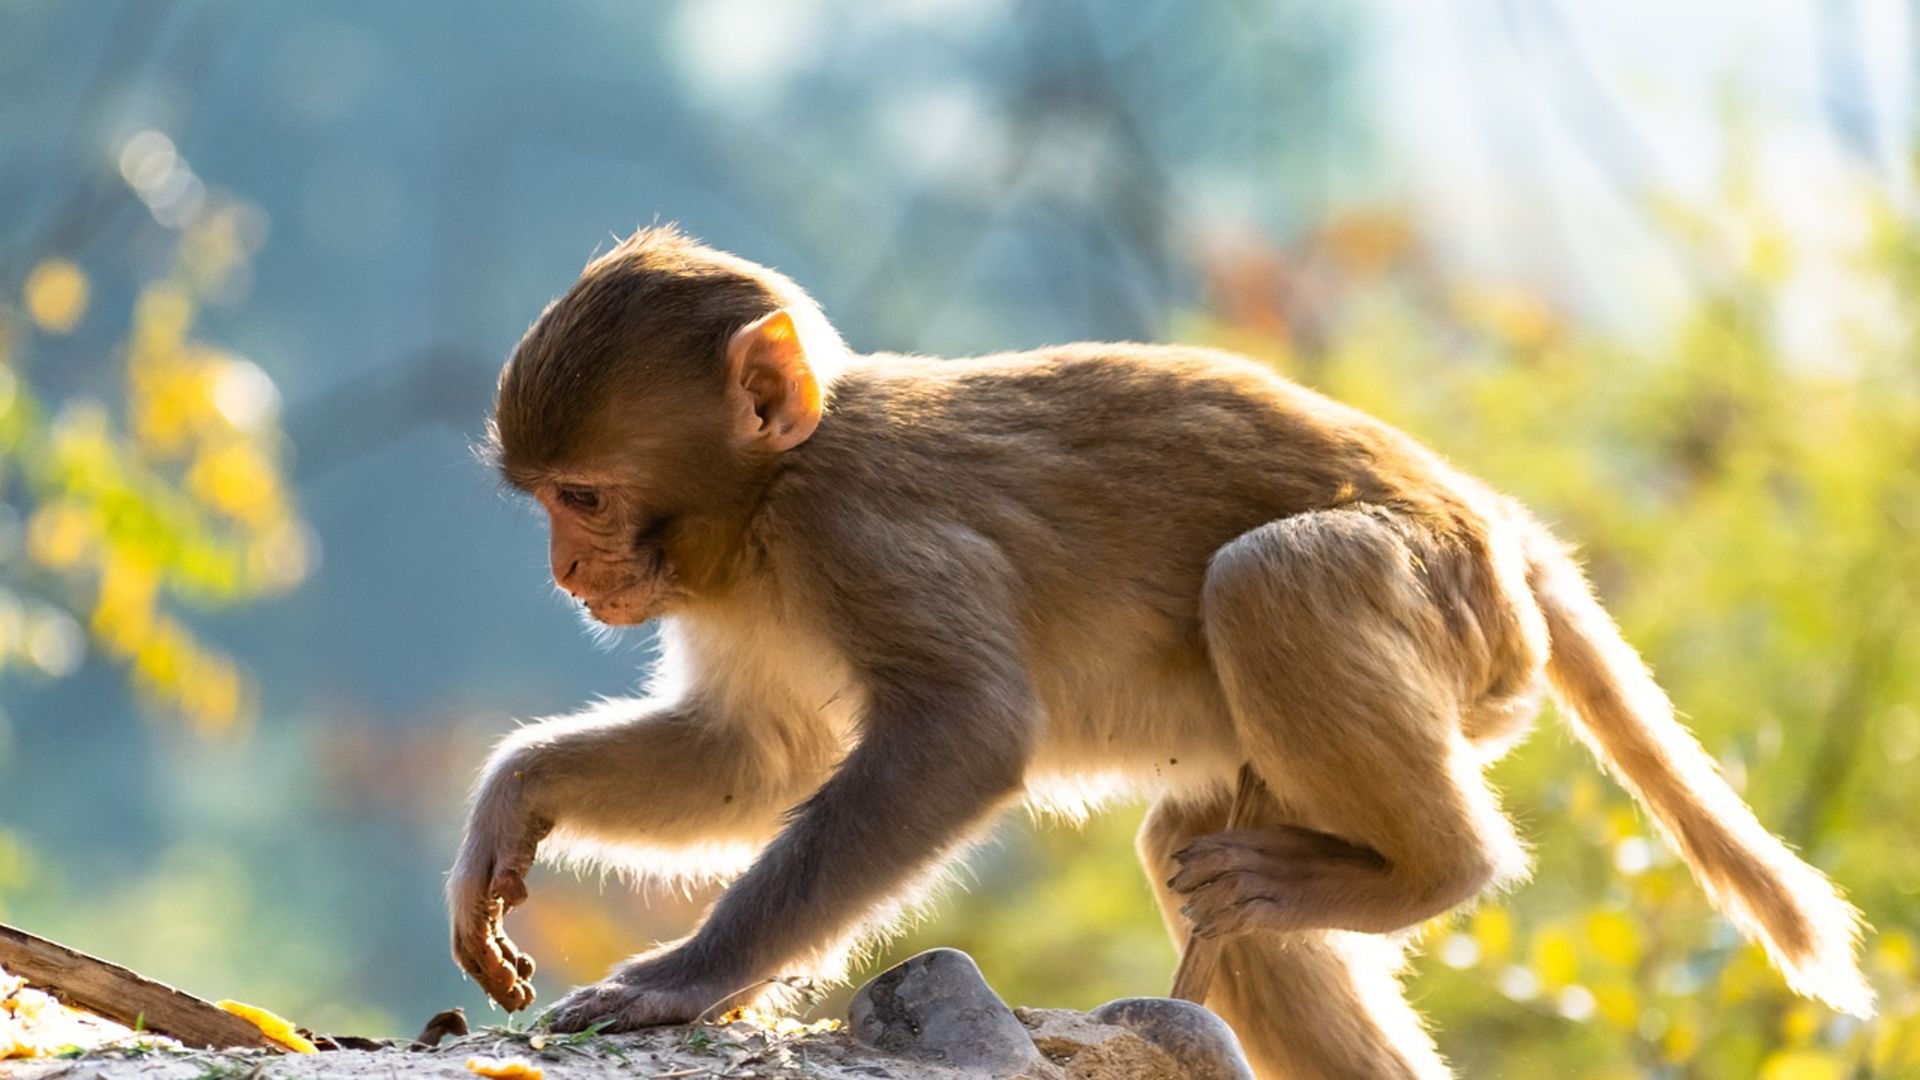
897 595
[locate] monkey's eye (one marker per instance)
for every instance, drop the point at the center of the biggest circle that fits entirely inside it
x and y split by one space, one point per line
585 500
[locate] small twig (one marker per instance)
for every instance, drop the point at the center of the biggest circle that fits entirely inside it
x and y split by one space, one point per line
124 996
1200 961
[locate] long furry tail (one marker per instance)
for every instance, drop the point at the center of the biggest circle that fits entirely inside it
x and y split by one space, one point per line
1775 899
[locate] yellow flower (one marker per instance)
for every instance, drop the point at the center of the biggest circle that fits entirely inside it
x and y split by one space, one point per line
161 318
56 296
1613 937
1555 958
1493 929
235 478
1617 1004
59 535
1802 1065
1681 1042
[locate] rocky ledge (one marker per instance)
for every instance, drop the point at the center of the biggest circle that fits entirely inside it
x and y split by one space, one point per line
932 1017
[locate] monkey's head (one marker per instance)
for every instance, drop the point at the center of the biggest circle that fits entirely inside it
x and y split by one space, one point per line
646 409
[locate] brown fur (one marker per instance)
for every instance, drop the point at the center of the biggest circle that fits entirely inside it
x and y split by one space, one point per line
1061 576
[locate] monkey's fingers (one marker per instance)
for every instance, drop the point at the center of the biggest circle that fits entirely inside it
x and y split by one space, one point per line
482 961
496 978
512 971
521 962
491 958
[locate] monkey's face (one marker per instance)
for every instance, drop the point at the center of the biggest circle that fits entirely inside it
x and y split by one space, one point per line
648 480
607 552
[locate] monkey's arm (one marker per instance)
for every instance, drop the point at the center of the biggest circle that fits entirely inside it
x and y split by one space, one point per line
659 772
945 741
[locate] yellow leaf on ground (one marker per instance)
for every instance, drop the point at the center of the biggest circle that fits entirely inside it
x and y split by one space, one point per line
273 1026
504 1068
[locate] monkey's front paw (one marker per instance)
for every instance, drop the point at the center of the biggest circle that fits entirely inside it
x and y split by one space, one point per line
1229 883
633 998
489 881
481 946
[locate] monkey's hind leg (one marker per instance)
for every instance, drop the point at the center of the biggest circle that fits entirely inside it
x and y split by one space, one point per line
1306 1006
1345 682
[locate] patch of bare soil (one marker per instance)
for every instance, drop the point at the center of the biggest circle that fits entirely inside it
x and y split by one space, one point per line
709 1052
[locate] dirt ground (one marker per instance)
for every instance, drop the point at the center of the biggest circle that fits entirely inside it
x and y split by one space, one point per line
738 1050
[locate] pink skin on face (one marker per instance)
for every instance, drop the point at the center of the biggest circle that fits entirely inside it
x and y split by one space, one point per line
590 562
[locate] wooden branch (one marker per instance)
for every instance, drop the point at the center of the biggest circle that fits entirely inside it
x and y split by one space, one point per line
123 996
1200 961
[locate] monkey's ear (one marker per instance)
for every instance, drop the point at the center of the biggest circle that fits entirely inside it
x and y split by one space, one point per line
774 393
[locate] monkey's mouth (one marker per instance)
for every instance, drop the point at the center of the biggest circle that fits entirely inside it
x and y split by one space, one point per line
630 605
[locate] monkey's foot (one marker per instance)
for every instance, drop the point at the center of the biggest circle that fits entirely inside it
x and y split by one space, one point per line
1258 879
639 995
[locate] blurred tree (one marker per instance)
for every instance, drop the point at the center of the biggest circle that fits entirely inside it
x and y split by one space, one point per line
122 507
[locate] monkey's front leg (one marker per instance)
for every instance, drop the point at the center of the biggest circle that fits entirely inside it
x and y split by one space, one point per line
929 769
666 773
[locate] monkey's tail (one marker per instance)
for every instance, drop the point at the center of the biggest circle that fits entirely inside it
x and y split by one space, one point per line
1751 876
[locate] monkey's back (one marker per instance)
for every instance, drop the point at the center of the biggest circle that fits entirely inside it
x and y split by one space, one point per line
1120 460
1106 476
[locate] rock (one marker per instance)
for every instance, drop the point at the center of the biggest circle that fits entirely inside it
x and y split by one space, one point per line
1090 1050
937 1007
1203 1044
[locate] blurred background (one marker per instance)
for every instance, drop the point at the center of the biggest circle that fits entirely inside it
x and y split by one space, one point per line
1655 269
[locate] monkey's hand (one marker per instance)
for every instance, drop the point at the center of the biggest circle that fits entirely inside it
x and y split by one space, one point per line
645 992
489 880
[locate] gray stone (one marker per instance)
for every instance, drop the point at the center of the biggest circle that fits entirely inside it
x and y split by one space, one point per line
1200 1041
937 1007
1086 1049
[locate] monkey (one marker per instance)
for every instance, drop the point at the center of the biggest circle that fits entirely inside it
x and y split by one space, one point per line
896 595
